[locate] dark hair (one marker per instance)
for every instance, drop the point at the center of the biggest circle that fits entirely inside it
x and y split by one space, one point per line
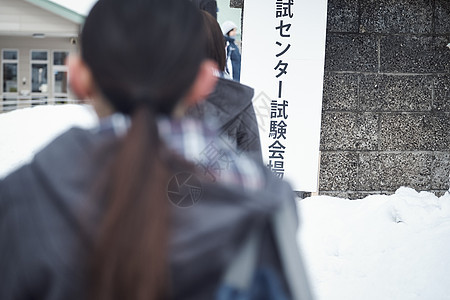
215 43
209 6
144 56
132 51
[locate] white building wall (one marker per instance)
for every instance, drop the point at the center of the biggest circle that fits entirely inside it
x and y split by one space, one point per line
18 17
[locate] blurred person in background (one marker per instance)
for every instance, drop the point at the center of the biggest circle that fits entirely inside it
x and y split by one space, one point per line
229 108
229 30
148 205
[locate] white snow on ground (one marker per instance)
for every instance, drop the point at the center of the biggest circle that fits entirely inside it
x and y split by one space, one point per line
381 247
25 131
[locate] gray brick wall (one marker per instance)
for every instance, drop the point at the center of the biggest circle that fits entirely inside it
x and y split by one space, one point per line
386 115
386 100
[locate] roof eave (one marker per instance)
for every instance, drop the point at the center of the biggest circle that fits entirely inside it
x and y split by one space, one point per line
59 10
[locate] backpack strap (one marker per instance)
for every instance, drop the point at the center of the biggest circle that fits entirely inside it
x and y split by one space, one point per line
240 273
285 228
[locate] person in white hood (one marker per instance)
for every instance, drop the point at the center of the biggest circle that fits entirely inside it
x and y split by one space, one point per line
229 30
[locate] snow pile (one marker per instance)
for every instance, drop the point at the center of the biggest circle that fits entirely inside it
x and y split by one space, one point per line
25 131
381 247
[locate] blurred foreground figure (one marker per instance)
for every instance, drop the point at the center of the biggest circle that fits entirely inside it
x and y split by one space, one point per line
149 205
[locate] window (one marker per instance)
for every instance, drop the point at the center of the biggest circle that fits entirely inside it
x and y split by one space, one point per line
60 83
60 78
59 58
39 78
9 77
39 72
9 70
9 67
39 55
10 55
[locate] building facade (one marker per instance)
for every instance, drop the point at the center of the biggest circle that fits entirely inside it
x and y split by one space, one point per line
386 99
35 38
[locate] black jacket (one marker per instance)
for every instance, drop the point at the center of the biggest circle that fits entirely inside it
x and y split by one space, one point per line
230 110
44 240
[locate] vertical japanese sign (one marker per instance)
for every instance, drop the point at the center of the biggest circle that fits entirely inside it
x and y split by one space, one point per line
283 55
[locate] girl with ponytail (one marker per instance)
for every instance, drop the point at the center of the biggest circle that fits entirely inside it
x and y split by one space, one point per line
142 59
149 205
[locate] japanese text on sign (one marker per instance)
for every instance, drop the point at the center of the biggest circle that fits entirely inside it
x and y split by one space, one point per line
279 106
